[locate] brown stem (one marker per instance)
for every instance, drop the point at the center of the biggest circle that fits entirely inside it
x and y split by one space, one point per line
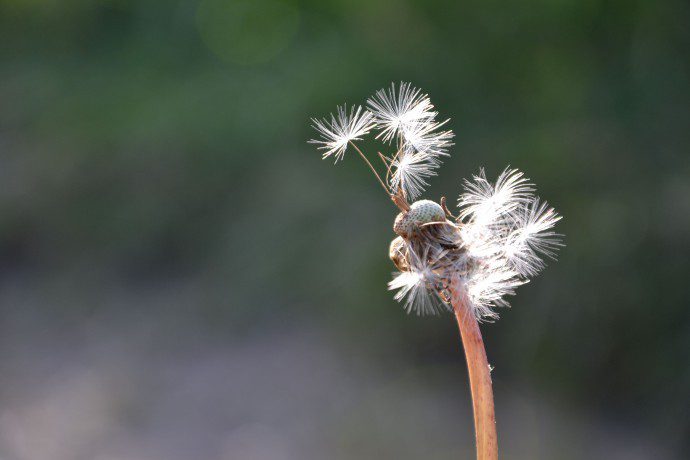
366 160
480 378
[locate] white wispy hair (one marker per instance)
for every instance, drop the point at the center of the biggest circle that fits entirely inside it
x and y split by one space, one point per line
506 230
488 203
495 246
410 171
413 289
487 286
403 114
531 236
425 137
407 115
342 128
487 210
418 286
396 111
421 147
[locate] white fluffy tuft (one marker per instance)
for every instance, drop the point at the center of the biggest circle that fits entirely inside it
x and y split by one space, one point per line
397 111
342 129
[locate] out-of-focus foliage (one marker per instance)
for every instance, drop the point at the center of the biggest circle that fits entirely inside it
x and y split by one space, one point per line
150 148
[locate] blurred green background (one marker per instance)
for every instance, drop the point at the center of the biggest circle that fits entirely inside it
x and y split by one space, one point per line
182 277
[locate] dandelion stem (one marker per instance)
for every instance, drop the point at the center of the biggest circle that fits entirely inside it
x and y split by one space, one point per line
480 378
366 160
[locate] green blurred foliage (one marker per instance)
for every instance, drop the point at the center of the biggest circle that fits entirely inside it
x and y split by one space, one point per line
146 144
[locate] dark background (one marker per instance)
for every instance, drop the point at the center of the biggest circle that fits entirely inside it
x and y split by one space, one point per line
182 277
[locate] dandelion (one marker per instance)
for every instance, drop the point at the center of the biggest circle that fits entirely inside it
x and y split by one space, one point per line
468 264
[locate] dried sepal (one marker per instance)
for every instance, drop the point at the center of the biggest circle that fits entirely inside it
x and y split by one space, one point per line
399 254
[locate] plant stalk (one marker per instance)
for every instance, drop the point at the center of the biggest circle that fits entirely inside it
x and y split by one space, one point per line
480 378
366 160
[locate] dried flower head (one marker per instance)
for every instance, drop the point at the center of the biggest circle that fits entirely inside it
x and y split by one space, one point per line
502 233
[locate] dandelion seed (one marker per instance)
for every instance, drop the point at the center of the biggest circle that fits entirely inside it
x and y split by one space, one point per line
418 157
410 171
425 138
532 236
342 129
486 204
408 116
412 287
395 112
417 286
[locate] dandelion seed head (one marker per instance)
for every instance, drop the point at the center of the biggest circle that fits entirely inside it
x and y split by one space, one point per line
531 237
419 156
495 246
417 287
342 128
425 137
395 111
406 115
410 173
503 232
487 204
413 292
